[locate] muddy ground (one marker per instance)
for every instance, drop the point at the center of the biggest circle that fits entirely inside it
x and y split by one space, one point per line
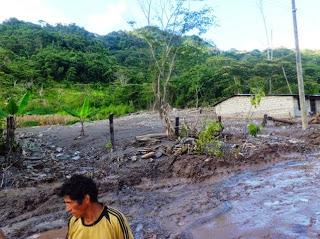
174 194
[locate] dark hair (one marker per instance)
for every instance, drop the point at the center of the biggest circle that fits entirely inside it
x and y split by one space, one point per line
77 187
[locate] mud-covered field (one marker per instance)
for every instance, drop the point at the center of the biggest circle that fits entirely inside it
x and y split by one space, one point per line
173 194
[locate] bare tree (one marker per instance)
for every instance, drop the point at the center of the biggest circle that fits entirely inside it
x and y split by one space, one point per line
167 21
285 76
268 37
269 40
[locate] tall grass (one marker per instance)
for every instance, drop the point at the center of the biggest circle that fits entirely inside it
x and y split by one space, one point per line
48 101
35 120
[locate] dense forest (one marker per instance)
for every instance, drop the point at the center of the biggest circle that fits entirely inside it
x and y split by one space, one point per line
62 64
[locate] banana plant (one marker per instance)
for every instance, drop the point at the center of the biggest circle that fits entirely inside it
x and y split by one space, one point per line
13 108
82 113
10 111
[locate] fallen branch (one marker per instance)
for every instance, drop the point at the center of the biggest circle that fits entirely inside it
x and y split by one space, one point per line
315 119
285 121
148 155
151 137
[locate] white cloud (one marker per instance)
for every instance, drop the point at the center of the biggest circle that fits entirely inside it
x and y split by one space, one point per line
112 18
31 10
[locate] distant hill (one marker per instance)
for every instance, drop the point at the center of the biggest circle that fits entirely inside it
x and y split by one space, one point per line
42 54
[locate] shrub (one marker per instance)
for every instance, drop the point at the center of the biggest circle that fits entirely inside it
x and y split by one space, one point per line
253 129
184 132
208 141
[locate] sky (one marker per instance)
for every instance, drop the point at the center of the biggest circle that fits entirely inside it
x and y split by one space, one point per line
240 23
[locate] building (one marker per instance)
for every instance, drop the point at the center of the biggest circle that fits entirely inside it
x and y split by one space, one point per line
280 106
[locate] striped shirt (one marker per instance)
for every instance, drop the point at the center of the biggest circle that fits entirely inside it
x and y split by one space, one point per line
111 224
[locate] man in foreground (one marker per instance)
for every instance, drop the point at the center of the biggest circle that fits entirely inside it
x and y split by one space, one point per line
91 219
2 235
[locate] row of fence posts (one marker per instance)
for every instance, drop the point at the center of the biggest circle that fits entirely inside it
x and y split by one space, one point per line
10 128
176 128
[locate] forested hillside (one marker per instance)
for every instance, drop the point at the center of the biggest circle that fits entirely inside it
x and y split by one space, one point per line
63 64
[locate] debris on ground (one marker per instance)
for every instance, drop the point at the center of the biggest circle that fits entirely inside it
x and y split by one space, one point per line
166 181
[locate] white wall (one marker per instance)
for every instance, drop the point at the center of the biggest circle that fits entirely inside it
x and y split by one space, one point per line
240 107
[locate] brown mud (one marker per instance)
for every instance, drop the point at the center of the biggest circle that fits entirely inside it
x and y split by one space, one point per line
263 187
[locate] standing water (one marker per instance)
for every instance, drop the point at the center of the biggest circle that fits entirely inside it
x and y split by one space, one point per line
281 201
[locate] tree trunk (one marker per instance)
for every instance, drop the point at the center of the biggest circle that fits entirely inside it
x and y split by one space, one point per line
82 128
164 113
11 126
270 85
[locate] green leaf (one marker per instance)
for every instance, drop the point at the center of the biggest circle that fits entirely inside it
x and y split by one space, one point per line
3 114
72 112
12 107
85 109
24 102
253 129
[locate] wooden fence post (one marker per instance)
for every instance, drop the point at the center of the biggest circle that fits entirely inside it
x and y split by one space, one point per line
219 119
265 118
176 128
10 132
111 131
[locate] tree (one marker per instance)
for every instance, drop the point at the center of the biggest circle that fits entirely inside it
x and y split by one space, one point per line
167 22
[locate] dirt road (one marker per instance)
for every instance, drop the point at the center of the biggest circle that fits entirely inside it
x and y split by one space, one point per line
265 188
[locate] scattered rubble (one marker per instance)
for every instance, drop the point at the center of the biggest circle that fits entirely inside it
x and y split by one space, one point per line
144 160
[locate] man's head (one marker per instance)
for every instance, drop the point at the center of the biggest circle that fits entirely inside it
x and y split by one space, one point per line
78 193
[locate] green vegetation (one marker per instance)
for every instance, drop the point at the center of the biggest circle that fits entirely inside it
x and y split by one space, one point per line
208 141
30 123
61 65
108 146
253 129
257 94
10 111
82 113
13 108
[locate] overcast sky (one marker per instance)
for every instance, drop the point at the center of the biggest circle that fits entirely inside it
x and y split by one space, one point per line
240 21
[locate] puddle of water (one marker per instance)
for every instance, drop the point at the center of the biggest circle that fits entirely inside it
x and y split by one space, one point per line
279 202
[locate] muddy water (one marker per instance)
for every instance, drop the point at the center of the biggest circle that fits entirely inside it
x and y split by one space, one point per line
282 201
